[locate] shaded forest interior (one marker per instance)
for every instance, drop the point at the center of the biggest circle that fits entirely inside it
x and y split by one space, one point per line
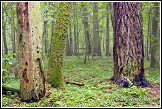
70 54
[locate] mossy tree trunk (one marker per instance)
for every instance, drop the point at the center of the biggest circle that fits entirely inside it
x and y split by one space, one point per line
128 42
32 81
55 74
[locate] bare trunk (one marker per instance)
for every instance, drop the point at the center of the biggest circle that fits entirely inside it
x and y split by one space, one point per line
32 81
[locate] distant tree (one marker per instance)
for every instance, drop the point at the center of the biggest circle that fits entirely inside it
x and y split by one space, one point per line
75 29
148 34
4 30
32 81
96 38
128 43
86 31
70 36
45 29
13 28
154 38
107 31
55 74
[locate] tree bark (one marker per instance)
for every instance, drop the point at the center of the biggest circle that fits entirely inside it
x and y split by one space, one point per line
154 44
32 80
128 43
55 74
97 41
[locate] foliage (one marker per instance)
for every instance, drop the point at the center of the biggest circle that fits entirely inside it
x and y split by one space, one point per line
98 90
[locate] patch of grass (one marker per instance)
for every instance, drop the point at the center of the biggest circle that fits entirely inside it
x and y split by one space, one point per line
97 92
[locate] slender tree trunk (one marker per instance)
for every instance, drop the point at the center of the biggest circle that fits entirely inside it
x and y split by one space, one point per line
148 35
97 41
107 31
75 29
128 43
77 33
12 28
71 41
52 34
4 33
86 32
154 44
55 74
67 49
32 81
46 30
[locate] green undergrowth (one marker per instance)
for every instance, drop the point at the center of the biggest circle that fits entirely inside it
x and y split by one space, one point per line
97 91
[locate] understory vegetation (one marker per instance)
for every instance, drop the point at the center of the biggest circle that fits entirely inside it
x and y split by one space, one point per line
98 90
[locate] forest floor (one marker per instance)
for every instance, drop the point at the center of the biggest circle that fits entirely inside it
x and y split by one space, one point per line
97 91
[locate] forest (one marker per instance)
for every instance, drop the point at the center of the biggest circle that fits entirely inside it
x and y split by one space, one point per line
80 54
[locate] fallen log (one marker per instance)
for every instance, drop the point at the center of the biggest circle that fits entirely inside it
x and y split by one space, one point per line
75 83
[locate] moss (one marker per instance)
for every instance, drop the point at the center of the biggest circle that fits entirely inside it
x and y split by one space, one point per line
55 74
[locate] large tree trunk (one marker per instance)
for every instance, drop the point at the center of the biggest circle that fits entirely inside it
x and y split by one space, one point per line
4 32
86 32
154 44
128 42
107 32
97 41
32 81
13 28
55 74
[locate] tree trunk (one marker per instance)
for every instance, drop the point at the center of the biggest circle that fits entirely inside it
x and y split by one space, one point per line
154 44
97 41
71 41
67 49
148 35
4 33
86 32
107 31
13 28
128 43
75 29
55 74
32 81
